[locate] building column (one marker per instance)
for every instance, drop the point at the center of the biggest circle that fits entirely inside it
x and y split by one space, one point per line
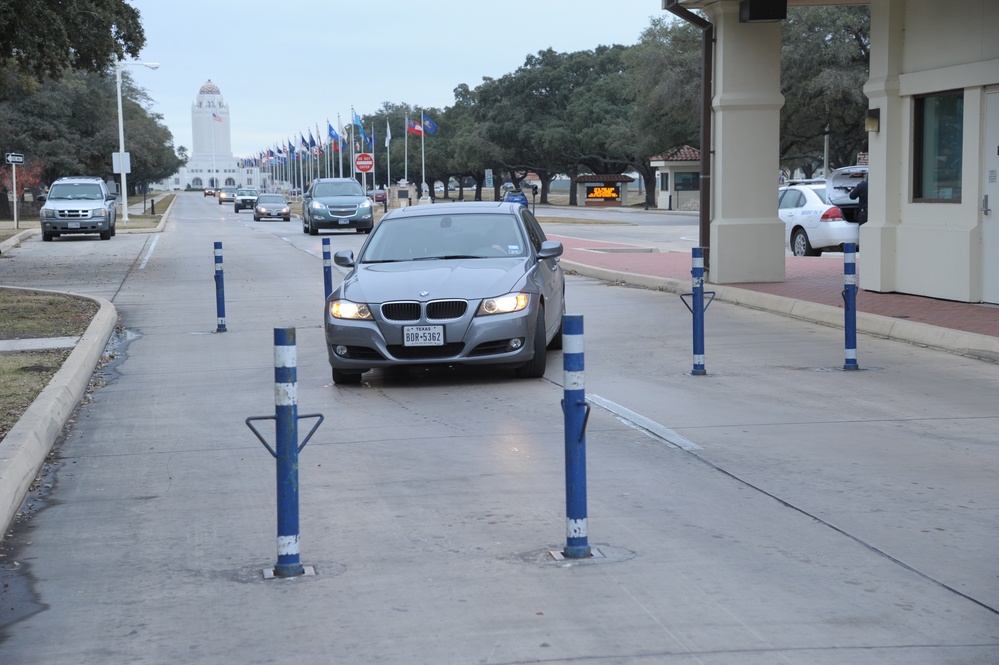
879 236
747 237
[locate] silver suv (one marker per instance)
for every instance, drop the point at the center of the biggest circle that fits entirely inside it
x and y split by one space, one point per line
336 203
78 204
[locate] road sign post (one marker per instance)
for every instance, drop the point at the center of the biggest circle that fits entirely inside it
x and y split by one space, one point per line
14 158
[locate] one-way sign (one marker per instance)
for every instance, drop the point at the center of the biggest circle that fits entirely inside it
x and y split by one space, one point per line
14 158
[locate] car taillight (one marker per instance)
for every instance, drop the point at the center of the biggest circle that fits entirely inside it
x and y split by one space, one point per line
832 214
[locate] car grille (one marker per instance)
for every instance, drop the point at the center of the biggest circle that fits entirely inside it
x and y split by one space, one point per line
436 310
342 210
73 214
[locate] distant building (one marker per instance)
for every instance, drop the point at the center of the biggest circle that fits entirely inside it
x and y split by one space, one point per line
211 162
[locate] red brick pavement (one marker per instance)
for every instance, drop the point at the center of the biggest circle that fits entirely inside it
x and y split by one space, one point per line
813 279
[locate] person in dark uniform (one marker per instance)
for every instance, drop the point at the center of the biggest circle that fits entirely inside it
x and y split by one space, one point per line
860 193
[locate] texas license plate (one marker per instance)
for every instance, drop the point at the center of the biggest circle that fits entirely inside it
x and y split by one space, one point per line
73 225
423 336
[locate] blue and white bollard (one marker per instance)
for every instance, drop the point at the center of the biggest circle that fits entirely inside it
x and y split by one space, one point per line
327 268
850 305
576 410
286 413
219 289
697 308
286 452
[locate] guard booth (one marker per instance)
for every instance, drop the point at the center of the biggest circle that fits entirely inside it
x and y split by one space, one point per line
603 190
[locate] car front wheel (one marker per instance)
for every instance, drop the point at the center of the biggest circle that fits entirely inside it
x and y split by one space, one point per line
345 378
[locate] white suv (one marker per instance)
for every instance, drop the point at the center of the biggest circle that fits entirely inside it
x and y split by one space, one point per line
78 204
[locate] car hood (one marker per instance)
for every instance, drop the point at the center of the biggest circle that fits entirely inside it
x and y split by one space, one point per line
467 279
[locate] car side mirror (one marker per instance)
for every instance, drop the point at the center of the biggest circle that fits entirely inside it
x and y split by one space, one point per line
550 249
344 258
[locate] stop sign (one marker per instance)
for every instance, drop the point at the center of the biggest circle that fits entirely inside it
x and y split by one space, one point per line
364 162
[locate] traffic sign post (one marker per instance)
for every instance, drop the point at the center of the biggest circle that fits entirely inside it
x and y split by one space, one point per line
14 158
364 162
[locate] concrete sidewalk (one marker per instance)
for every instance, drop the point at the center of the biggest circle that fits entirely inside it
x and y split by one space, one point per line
812 291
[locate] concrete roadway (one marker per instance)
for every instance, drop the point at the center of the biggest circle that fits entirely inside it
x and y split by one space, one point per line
778 510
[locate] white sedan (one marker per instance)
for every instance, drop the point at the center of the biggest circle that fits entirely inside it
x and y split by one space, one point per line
811 224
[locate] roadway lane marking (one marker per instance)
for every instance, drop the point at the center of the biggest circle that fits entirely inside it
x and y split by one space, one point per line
643 423
152 246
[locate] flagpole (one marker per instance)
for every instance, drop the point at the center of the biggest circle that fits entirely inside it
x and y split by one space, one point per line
405 138
374 178
339 152
388 153
423 154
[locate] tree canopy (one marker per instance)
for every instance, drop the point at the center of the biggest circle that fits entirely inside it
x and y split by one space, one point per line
44 38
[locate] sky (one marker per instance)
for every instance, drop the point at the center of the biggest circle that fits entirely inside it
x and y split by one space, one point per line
285 67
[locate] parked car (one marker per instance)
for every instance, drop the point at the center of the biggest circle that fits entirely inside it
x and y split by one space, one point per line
515 196
377 195
245 198
811 224
336 203
78 204
271 205
839 185
454 283
227 195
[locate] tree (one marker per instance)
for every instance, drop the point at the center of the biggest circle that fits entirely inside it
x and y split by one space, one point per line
664 78
44 38
70 127
824 65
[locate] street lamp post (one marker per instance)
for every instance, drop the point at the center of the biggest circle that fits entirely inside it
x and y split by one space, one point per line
121 135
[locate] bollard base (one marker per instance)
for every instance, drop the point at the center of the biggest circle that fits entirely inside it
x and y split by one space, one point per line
847 368
272 573
591 553
698 372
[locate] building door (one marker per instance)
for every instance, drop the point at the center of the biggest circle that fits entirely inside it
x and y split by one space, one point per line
990 193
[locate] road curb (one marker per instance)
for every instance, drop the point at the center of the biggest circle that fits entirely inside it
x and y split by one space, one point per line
29 441
972 345
15 240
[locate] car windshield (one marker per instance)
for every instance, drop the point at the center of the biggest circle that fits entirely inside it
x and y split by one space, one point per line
445 237
81 191
271 198
247 192
323 189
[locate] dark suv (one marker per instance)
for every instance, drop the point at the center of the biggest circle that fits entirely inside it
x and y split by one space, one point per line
78 204
336 203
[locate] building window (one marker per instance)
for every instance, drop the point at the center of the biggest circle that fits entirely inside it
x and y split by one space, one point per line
664 181
939 134
687 181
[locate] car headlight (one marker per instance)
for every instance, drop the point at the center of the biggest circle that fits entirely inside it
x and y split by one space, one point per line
512 302
285 210
48 213
365 204
99 212
344 309
316 205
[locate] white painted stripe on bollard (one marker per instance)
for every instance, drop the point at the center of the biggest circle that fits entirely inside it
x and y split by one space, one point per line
285 394
287 545
572 344
573 381
575 528
285 356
